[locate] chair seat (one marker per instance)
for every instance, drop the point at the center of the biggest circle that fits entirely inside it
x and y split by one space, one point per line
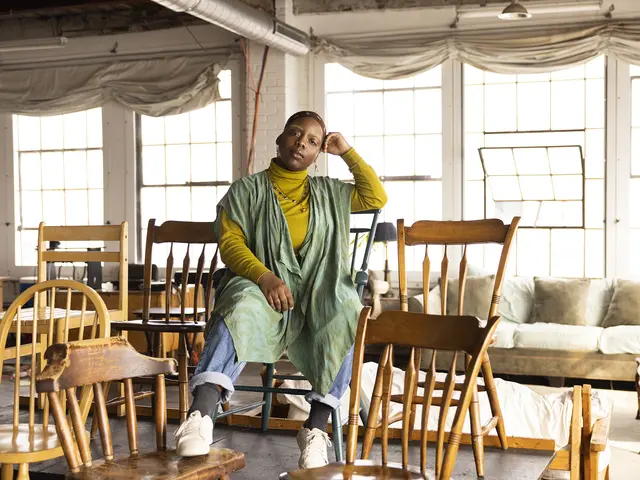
22 446
360 470
161 312
165 465
160 326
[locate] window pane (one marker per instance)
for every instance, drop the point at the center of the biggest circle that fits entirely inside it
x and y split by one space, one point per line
567 104
337 78
531 161
634 253
224 162
96 207
560 214
203 201
400 83
500 108
498 162
177 128
429 155
152 204
52 171
594 254
178 158
369 114
634 204
594 155
534 103
472 75
340 113
372 151
532 253
225 83
428 111
505 188
565 160
75 130
28 133
366 83
536 187
52 132
595 103
568 187
152 130
203 124
77 207
94 169
472 164
569 73
153 166
94 128
30 174
31 202
398 112
54 207
224 121
203 163
75 169
567 253
474 200
401 150
430 78
473 108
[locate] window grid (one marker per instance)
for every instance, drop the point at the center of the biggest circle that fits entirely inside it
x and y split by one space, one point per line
578 119
170 188
634 172
396 126
59 176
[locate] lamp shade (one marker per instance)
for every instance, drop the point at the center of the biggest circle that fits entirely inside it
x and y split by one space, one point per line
386 232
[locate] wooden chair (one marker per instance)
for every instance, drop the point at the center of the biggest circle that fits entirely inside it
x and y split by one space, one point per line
93 362
186 322
28 442
459 233
455 333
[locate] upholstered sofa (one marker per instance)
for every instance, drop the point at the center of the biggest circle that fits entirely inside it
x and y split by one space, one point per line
527 344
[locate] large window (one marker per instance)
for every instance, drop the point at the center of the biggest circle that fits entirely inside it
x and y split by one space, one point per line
534 147
396 126
634 187
185 164
58 165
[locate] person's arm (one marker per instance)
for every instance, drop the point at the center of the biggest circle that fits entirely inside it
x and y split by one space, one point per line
235 253
368 193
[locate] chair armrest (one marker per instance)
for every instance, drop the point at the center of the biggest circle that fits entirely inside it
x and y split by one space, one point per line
600 434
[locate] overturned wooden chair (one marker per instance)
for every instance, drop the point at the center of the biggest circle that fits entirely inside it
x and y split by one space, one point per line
91 363
459 334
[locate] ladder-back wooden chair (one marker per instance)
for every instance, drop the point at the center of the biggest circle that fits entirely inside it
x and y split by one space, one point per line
29 438
447 234
459 334
186 322
94 362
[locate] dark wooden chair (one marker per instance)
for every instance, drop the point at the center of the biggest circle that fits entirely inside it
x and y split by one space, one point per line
186 322
459 334
447 234
90 363
25 441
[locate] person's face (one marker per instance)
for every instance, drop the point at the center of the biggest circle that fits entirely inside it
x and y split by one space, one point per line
299 144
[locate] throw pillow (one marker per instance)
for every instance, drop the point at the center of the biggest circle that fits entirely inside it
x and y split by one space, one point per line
559 300
624 308
477 296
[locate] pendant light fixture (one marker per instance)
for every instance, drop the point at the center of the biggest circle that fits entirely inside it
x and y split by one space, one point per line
514 11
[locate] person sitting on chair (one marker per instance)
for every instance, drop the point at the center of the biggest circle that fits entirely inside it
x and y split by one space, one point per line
284 237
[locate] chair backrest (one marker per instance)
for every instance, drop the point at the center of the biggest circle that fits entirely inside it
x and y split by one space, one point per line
88 364
55 323
88 233
458 334
188 233
362 276
447 233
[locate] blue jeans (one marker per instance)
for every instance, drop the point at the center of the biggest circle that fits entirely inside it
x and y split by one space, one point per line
218 365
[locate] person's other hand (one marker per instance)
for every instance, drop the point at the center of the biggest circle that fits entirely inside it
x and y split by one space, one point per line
335 144
276 292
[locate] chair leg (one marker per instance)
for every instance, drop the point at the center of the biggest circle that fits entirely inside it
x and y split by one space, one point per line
23 471
267 397
492 393
7 471
336 434
183 380
476 433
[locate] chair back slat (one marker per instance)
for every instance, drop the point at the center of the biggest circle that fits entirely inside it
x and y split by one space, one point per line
16 385
83 314
198 285
462 276
89 364
460 334
444 281
426 268
186 264
168 287
32 383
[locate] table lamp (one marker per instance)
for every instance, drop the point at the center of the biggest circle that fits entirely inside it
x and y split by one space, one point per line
385 233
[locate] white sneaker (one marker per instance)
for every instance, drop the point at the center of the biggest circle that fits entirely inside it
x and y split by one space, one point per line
313 448
194 435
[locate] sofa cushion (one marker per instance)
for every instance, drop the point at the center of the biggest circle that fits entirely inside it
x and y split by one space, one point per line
516 301
561 301
553 336
600 292
624 308
621 339
504 334
477 296
416 303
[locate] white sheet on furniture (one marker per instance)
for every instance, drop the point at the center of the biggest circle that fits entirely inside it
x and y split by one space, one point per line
620 339
504 334
553 336
516 300
526 413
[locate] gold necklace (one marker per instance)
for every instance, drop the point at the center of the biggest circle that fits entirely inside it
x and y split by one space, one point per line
305 193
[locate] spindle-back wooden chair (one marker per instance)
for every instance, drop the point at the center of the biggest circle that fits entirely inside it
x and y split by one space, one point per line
464 334
35 441
447 234
187 322
91 363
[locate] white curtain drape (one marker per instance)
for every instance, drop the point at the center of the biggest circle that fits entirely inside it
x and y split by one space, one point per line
154 87
513 50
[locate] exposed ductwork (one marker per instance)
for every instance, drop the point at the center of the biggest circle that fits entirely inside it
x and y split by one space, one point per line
246 21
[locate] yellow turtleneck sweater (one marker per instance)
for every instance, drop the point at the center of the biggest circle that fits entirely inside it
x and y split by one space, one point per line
368 194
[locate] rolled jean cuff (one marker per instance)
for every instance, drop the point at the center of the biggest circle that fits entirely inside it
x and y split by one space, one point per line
327 399
217 378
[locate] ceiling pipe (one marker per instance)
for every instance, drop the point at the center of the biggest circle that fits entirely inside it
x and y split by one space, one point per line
246 21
